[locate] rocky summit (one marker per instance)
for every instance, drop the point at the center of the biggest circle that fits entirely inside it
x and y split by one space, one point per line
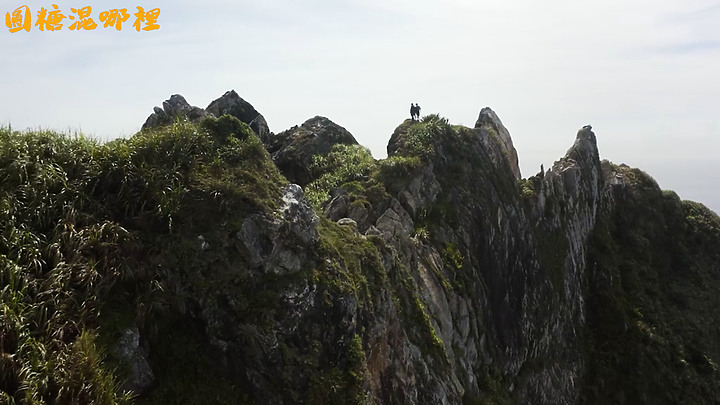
176 107
206 260
293 150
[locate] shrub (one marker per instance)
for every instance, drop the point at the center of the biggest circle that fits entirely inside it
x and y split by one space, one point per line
344 164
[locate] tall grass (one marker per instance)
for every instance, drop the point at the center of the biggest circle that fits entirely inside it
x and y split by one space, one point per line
344 163
75 215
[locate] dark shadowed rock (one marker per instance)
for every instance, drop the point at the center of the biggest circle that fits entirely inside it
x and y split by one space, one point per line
292 150
173 108
401 130
130 351
232 104
585 146
266 239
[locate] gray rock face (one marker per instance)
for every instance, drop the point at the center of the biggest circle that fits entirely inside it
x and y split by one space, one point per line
282 245
489 121
421 191
297 211
517 298
129 350
566 211
260 126
292 150
395 223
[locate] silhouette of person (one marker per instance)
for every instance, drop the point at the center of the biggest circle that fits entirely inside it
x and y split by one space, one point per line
412 111
417 111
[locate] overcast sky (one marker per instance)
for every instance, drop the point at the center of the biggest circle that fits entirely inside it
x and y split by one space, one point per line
645 74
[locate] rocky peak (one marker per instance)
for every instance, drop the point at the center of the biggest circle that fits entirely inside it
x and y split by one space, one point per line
230 103
489 121
436 276
322 126
292 150
174 107
576 177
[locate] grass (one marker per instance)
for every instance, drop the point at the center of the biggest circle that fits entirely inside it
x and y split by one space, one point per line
99 237
79 219
651 298
344 164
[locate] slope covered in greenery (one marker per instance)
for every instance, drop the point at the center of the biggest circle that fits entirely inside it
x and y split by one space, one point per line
90 232
653 295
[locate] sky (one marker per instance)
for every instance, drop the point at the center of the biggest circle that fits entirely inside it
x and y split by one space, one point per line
645 74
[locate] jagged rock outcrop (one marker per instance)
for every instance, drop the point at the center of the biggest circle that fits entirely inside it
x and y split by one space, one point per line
489 121
173 108
229 103
492 290
528 316
479 286
435 276
292 150
232 104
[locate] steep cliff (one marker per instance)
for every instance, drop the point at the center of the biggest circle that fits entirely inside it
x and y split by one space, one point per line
437 275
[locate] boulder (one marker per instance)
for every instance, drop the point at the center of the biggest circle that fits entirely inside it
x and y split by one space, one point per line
292 150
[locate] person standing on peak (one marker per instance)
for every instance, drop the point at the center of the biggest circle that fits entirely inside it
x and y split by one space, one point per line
414 112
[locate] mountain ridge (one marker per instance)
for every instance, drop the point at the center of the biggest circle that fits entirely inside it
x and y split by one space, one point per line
437 275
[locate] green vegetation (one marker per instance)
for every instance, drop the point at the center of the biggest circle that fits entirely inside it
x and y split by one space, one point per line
339 387
529 188
344 164
147 232
56 258
351 259
452 257
491 384
394 171
419 139
652 295
83 221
